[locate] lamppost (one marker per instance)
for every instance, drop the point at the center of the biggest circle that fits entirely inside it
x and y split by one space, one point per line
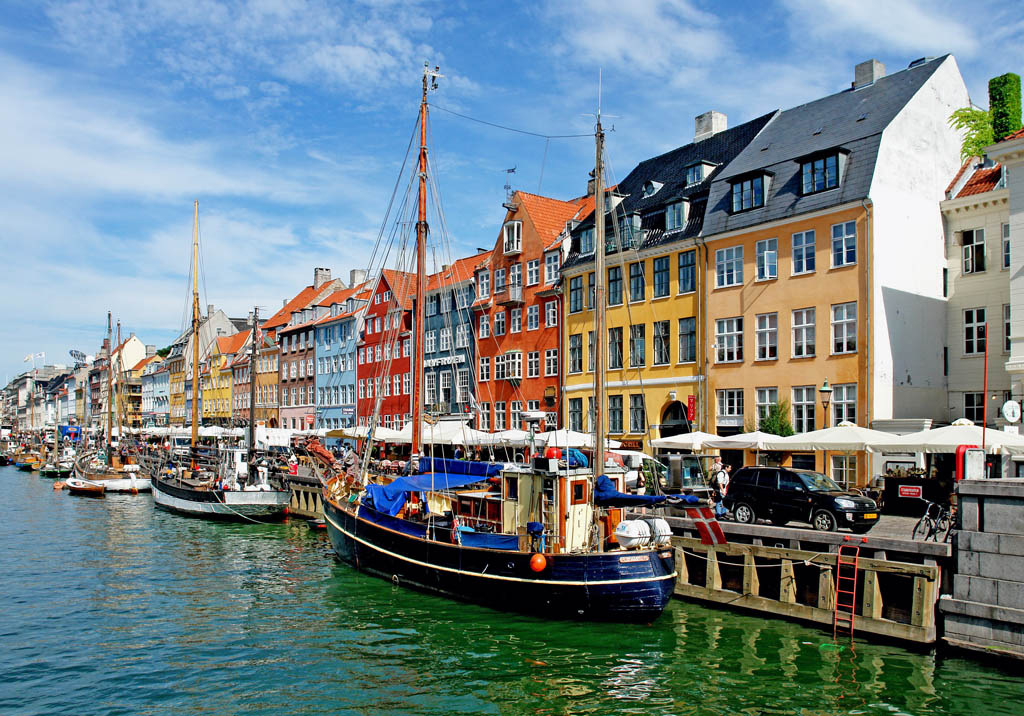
825 391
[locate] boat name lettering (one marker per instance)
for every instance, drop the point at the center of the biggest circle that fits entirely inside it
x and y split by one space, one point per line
634 558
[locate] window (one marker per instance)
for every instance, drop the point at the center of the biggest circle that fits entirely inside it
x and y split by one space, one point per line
515 414
662 343
767 336
575 294
533 272
406 383
687 272
499 280
974 251
499 415
615 413
637 414
1006 328
764 399
515 275
485 326
591 290
844 328
499 323
661 277
461 337
694 174
551 313
820 174
484 416
844 244
551 264
484 369
729 266
974 407
688 339
1006 246
533 318
446 386
637 346
803 332
576 414
614 348
587 241
590 351
533 364
446 339
803 252
803 408
729 339
430 344
576 353
748 194
513 236
636 281
483 284
844 470
844 403
675 216
615 286
516 322
974 331
551 362
767 259
730 405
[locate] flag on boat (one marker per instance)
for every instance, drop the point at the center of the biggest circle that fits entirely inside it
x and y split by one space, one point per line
708 528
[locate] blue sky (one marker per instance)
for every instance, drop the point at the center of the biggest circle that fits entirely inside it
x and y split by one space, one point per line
288 121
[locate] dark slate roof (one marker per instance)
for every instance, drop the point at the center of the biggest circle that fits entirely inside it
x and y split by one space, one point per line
851 121
669 169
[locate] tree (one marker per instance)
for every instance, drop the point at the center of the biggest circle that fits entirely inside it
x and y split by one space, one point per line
775 422
1004 105
977 127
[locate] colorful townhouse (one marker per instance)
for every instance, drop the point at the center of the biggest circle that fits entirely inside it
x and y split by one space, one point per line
823 281
653 253
384 352
298 374
218 392
449 380
267 384
517 311
336 338
155 393
976 280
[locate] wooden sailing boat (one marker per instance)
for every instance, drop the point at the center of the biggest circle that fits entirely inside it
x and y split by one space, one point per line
200 491
549 549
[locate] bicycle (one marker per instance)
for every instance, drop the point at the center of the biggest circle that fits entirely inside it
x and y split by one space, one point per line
936 520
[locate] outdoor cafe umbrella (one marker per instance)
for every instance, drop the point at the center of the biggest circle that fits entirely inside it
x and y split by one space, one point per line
844 437
755 440
963 432
684 441
565 438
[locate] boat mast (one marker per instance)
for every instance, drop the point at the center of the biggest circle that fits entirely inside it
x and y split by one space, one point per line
110 388
195 326
599 303
429 82
120 408
252 387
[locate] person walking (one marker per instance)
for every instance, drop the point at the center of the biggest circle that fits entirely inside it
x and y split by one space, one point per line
719 476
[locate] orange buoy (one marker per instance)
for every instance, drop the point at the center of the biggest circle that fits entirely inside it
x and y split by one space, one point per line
538 562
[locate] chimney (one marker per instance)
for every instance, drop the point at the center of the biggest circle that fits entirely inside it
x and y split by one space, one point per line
284 302
150 351
321 276
867 73
356 277
709 124
209 310
249 319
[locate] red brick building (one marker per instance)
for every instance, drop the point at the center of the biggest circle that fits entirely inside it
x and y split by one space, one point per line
384 352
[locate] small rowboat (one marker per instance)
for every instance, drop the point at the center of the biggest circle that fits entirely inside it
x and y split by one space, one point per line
84 488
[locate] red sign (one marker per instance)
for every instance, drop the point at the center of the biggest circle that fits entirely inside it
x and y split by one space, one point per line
309 419
691 407
910 490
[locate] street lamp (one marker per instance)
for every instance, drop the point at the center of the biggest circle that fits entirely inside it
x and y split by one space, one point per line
825 391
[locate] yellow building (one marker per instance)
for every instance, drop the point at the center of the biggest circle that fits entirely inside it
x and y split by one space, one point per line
217 379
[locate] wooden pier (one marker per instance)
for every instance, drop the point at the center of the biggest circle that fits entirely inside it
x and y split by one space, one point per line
307 493
790 573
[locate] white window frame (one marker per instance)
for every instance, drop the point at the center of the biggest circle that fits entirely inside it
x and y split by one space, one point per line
844 327
764 399
767 336
804 408
729 340
551 362
804 332
552 264
533 272
767 251
974 331
729 267
844 403
844 238
972 251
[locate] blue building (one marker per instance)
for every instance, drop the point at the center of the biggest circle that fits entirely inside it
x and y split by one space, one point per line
448 340
337 334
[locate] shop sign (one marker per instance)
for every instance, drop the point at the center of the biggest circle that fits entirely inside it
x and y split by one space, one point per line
910 491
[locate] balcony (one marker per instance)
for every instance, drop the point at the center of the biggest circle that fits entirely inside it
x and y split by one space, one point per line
514 297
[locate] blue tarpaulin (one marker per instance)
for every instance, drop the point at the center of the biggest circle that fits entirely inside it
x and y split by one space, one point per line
390 498
605 495
488 540
481 470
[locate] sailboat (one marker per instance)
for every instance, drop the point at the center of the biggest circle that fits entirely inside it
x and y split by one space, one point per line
551 549
216 490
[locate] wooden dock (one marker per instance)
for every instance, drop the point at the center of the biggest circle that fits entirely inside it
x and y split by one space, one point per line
790 573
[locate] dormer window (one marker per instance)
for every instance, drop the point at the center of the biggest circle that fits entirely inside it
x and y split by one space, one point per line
748 193
513 237
587 241
675 215
820 173
694 174
651 188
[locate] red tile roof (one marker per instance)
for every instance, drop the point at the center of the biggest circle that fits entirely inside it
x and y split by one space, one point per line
959 174
339 296
549 215
981 181
1016 135
461 270
402 285
229 345
305 297
146 361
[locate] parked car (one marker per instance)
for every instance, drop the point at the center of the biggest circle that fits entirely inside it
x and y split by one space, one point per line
783 494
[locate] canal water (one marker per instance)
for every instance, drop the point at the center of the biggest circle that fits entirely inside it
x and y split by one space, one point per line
113 607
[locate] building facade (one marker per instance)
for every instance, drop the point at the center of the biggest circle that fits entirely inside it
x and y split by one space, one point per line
336 339
383 352
449 380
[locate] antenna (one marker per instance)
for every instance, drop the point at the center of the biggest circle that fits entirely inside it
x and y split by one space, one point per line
508 182
432 75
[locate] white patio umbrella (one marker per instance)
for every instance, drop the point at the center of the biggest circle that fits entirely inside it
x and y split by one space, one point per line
845 437
505 438
949 438
565 438
444 432
684 441
755 440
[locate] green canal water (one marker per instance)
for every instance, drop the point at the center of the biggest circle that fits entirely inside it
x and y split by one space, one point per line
113 607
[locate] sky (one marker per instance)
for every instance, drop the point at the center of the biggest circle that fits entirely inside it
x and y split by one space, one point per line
289 120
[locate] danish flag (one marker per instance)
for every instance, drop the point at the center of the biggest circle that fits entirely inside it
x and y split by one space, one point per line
707 526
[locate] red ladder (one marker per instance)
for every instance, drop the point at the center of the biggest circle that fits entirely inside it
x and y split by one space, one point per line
846 589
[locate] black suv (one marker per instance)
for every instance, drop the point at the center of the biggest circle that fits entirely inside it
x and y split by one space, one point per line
782 494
